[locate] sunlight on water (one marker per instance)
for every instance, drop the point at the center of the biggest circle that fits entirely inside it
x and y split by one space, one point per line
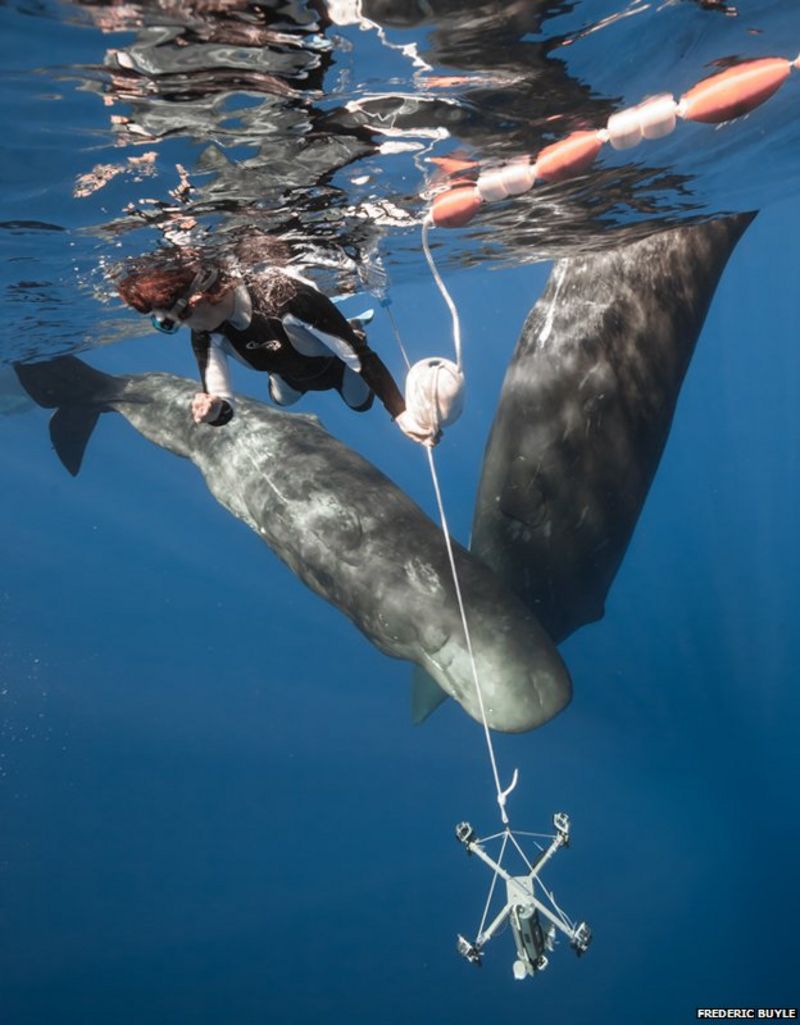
326 131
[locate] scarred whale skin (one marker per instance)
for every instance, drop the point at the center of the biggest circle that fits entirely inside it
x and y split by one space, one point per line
584 414
341 526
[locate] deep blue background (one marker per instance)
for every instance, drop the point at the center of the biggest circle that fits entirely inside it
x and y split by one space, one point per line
213 808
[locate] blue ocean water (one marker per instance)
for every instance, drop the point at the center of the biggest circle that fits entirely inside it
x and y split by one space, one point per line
214 807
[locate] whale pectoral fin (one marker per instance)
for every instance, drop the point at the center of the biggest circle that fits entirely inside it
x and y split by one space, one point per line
426 696
70 430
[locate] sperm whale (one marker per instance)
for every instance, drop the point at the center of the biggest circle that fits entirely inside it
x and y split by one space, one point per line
340 525
584 414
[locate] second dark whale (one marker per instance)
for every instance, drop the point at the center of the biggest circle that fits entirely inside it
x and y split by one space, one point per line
585 412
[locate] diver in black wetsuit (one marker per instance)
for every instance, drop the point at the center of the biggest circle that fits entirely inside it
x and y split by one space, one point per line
273 321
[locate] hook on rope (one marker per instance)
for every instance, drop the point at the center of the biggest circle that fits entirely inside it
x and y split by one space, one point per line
503 794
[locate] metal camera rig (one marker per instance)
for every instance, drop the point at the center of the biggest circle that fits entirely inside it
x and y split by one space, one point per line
523 909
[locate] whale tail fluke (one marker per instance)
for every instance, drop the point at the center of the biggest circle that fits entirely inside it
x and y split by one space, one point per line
78 393
70 430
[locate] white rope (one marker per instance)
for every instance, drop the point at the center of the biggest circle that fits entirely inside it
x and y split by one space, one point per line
522 855
501 794
388 307
494 836
488 904
565 919
426 225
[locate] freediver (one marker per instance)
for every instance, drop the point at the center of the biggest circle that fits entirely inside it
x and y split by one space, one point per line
273 321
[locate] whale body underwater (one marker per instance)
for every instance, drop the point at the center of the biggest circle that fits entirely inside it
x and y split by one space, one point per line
340 525
583 418
585 412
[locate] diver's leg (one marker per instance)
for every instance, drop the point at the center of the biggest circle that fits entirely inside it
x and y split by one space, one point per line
281 393
355 391
351 385
305 341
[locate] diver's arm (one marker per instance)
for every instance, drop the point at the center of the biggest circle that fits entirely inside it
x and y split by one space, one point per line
214 405
377 375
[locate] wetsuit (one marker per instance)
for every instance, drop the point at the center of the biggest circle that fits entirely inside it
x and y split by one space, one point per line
283 326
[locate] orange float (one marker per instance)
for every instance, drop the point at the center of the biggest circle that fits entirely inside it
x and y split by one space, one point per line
734 92
455 207
453 165
568 157
722 97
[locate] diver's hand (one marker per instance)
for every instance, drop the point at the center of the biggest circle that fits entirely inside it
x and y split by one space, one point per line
205 408
417 432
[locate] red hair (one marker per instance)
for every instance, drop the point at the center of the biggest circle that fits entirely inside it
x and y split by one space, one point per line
151 285
155 289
